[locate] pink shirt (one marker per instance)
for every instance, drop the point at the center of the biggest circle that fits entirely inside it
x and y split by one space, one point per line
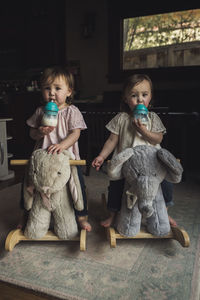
69 118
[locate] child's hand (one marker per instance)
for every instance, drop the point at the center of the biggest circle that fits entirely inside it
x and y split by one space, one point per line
153 138
97 162
141 128
44 130
55 148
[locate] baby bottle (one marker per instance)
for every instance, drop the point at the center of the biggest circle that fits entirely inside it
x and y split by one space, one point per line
50 114
141 112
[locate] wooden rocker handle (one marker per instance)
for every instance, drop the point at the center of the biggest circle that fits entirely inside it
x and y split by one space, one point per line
22 162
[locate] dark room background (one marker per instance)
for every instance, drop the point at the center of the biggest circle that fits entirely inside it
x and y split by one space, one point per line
85 35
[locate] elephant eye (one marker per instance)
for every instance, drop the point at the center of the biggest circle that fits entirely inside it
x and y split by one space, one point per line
141 174
137 172
59 173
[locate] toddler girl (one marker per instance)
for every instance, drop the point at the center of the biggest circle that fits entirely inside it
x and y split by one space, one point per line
57 84
129 132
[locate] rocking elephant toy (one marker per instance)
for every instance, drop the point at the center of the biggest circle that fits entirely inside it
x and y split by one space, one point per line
52 189
144 167
49 175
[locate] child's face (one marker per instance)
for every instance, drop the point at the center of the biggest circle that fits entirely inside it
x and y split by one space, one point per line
58 90
139 94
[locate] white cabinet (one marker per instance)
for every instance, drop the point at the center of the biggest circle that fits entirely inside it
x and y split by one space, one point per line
4 155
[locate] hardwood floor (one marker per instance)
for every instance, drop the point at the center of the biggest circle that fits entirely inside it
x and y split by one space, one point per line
11 292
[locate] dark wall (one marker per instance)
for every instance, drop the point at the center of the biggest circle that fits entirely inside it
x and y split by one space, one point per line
20 107
32 33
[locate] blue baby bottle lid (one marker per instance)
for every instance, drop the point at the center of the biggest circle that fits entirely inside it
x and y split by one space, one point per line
51 106
140 109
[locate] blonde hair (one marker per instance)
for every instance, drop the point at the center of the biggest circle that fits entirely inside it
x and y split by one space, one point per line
51 73
127 87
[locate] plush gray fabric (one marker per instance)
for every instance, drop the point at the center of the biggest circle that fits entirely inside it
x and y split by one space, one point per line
49 175
144 168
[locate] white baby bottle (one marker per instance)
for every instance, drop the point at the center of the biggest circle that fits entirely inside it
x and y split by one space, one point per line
141 112
50 114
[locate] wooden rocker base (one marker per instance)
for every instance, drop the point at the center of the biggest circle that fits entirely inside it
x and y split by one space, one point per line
15 236
176 233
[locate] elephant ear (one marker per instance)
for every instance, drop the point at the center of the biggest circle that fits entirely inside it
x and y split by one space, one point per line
27 192
115 166
69 154
174 168
75 189
74 184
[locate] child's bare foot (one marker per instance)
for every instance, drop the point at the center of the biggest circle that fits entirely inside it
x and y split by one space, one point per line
84 224
107 222
172 222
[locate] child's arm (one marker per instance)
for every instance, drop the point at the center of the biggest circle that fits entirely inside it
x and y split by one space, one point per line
66 143
151 137
108 147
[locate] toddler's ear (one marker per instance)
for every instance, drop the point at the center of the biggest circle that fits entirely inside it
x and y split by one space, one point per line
69 93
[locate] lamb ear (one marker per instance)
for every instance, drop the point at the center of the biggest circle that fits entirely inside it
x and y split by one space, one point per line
28 196
75 189
68 153
174 168
115 166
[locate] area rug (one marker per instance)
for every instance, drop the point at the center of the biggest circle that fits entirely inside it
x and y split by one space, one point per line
134 270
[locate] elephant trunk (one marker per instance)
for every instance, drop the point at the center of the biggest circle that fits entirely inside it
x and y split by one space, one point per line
146 190
146 208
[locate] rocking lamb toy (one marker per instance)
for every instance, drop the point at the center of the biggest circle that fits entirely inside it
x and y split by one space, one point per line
144 167
53 189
